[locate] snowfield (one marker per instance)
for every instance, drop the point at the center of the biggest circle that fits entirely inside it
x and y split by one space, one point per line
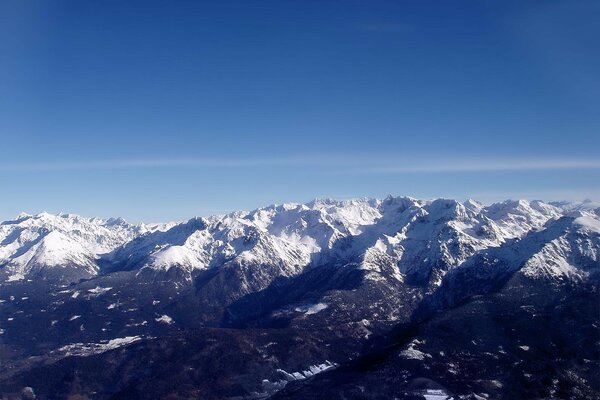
88 349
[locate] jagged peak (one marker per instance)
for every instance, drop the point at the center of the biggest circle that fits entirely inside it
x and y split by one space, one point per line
300 231
329 202
398 204
473 205
447 208
116 221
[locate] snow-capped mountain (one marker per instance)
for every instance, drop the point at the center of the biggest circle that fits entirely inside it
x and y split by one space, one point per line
571 254
293 286
62 246
423 239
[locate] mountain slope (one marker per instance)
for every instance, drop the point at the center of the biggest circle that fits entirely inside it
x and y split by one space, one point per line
323 297
33 245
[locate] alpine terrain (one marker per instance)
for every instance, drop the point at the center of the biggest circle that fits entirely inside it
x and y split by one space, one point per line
358 299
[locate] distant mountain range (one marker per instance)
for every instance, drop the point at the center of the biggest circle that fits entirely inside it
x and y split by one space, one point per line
361 298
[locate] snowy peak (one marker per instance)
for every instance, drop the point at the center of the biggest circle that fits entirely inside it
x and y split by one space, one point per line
418 240
56 249
521 215
573 253
418 237
32 244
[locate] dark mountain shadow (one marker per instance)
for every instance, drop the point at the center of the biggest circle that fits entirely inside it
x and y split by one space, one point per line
488 271
15 221
486 274
12 237
309 286
331 269
340 273
25 248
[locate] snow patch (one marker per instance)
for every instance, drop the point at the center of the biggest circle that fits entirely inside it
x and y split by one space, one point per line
271 387
15 277
588 222
88 349
310 309
412 353
97 291
436 394
165 319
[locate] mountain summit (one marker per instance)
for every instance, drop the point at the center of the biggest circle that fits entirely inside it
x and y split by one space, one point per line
417 235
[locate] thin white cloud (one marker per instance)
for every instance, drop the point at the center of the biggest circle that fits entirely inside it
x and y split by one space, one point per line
158 163
449 166
323 164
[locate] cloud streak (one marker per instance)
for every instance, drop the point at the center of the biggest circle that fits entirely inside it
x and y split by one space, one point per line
507 165
324 164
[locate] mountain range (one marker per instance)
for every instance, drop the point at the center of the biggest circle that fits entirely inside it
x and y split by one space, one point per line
364 298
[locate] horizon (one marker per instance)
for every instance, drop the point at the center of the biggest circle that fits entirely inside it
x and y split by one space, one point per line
555 203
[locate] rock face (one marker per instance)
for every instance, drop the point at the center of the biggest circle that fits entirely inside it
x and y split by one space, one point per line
357 299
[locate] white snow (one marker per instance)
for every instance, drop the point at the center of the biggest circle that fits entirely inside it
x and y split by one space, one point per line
310 309
15 277
87 349
271 387
307 373
412 353
588 222
388 238
173 256
165 319
35 242
436 394
97 291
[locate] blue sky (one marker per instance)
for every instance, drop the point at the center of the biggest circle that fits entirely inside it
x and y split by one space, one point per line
161 110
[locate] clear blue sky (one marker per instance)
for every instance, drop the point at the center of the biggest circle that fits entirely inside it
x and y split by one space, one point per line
159 110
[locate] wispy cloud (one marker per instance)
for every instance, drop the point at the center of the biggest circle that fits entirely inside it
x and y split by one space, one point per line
337 164
160 163
465 165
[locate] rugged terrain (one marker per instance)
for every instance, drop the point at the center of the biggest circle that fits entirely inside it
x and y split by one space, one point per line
393 298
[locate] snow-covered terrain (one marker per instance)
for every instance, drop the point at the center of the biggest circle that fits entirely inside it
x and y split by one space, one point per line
447 289
87 349
38 245
420 240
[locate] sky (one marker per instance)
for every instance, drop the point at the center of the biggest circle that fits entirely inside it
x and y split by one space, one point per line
161 110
